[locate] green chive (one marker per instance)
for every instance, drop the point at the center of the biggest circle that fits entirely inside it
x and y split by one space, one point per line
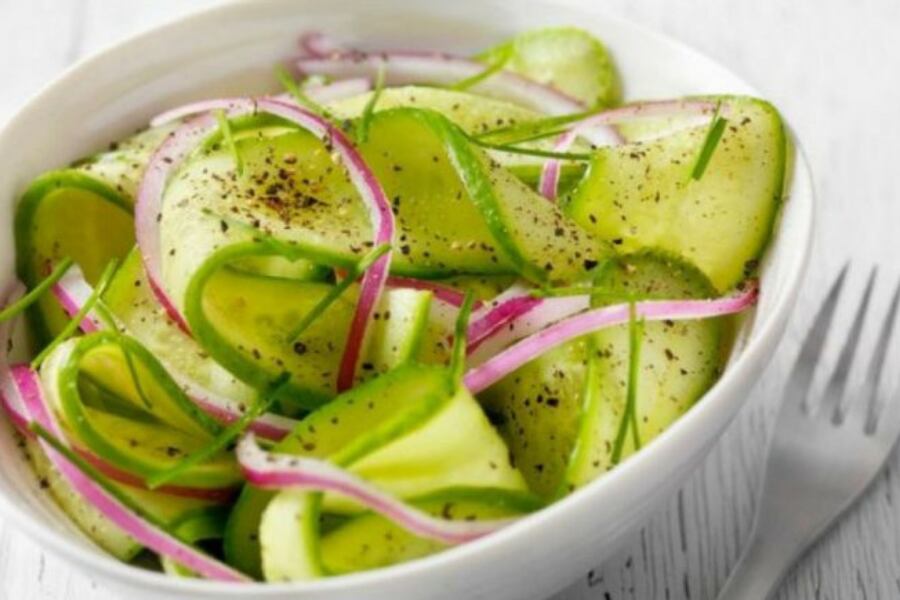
362 130
335 292
225 437
132 371
291 87
635 341
539 127
75 321
629 414
28 299
460 338
587 417
532 151
227 135
713 135
495 67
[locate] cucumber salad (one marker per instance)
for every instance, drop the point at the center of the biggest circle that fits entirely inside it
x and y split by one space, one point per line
402 302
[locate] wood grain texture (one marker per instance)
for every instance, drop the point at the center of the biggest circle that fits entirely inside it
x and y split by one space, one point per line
831 67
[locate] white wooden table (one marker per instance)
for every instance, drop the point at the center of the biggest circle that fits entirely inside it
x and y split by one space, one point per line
832 67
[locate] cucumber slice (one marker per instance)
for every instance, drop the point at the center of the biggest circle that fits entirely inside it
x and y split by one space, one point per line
247 320
89 520
83 212
67 213
567 58
473 114
406 431
456 211
370 541
174 426
93 523
288 537
130 299
369 415
538 408
642 195
680 361
453 447
470 112
195 526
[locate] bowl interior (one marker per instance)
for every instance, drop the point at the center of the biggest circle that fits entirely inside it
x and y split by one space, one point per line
230 51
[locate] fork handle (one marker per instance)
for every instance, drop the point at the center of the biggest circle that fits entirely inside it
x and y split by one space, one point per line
762 566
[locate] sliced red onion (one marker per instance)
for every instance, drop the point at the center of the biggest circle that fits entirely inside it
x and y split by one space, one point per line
27 383
513 303
148 204
321 93
320 45
414 67
72 291
225 410
444 293
129 479
600 130
173 152
9 398
283 471
518 316
12 402
500 365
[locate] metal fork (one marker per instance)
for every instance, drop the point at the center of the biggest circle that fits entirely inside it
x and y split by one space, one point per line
820 462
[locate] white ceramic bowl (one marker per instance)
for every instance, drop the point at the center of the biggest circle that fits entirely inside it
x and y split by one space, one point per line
230 50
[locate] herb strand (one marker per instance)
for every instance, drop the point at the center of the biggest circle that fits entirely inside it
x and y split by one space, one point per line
339 288
629 414
224 437
492 68
28 299
532 151
75 322
460 338
362 131
290 85
228 136
710 142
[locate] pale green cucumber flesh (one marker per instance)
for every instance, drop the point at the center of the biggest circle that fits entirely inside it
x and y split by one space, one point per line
643 195
537 408
369 541
567 58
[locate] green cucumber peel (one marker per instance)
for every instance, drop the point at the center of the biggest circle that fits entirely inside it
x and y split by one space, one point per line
362 129
537 129
629 415
435 390
76 414
478 185
290 86
224 437
339 288
228 136
31 297
515 500
460 339
75 322
590 400
710 142
496 66
138 386
512 148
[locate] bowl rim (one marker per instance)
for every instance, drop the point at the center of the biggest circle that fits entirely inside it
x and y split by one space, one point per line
715 403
